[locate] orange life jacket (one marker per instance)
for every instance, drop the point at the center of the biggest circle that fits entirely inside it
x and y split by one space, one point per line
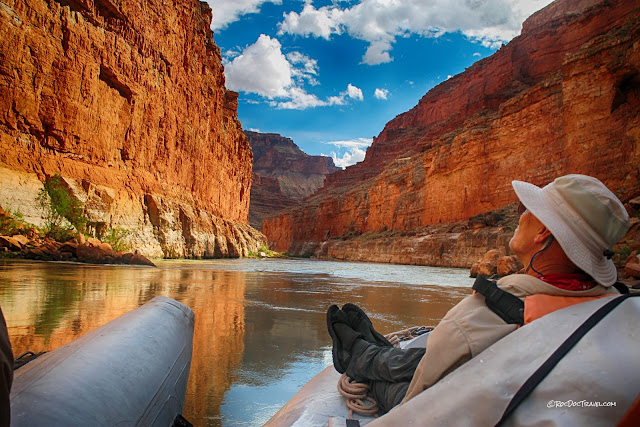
538 305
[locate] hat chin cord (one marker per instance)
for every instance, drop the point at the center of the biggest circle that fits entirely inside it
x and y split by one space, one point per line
530 266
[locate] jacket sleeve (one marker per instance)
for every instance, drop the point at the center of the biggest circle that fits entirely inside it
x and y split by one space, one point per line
465 331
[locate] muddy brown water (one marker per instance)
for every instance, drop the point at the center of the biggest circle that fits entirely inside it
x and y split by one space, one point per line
260 329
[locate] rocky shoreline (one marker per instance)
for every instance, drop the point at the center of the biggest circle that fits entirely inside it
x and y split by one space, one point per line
26 243
92 251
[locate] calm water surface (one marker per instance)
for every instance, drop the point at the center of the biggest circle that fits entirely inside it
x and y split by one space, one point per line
260 329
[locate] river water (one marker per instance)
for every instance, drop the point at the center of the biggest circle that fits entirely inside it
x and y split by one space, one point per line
260 329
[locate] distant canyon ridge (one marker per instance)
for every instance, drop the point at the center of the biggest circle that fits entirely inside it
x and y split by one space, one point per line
283 175
563 97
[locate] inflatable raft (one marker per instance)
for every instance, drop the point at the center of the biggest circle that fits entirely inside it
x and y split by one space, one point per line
594 384
131 371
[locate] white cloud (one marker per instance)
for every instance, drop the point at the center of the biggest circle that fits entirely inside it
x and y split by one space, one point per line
377 52
379 22
349 158
309 69
337 100
349 152
381 93
476 54
311 21
227 11
354 92
352 143
300 100
261 69
280 78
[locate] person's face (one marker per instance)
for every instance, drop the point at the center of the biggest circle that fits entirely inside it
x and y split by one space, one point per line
523 242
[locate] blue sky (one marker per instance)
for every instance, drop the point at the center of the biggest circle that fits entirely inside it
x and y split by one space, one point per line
330 74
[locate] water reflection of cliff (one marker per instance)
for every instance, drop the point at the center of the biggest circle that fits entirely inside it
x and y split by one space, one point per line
218 341
49 305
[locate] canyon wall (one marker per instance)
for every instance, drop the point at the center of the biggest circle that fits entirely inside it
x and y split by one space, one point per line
283 175
126 100
563 97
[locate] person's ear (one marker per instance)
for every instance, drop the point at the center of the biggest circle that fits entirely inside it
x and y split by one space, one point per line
543 235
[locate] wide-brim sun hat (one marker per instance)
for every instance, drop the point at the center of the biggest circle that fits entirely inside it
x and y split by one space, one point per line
584 216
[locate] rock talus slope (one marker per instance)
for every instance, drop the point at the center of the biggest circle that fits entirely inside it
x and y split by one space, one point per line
563 97
126 101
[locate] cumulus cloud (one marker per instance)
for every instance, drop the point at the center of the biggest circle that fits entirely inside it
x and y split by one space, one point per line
349 152
381 93
352 143
227 11
308 70
261 69
489 22
311 21
280 78
301 100
348 158
354 92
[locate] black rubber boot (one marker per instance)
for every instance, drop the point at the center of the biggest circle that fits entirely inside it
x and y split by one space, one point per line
360 322
343 337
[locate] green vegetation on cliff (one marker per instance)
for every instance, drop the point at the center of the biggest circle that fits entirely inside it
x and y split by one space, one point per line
61 212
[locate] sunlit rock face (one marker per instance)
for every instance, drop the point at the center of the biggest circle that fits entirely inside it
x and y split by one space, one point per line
563 97
126 100
283 174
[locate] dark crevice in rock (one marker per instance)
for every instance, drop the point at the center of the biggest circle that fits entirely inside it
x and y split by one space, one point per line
627 91
109 10
109 77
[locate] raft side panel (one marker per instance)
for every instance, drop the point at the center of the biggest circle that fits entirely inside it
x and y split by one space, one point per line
603 367
130 371
315 403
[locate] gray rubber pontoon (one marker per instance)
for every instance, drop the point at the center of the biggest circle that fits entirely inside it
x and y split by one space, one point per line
131 371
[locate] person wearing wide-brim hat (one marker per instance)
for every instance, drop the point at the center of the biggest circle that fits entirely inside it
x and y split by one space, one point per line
583 217
564 238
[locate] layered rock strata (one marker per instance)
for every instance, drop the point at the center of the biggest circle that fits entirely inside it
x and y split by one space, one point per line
563 97
283 174
126 101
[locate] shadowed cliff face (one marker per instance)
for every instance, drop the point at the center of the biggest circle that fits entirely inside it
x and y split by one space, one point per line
561 98
283 174
126 100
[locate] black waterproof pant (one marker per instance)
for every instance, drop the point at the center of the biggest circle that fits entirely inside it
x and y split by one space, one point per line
388 370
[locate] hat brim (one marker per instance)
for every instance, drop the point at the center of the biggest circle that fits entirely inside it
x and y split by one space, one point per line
549 213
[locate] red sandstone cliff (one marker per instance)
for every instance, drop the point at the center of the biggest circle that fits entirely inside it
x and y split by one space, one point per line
283 174
126 100
563 97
